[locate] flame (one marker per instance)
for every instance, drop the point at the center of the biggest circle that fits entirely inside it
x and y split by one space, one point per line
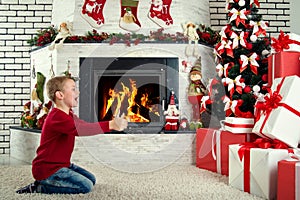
134 109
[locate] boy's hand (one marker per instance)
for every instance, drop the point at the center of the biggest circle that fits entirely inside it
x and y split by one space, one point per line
118 123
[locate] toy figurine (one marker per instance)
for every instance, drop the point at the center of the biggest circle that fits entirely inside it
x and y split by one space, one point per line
172 115
196 91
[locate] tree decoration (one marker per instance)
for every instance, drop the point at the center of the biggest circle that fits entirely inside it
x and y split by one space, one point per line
241 62
207 35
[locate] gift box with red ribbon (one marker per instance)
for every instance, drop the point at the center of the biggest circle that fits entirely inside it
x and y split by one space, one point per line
212 148
288 180
253 169
280 112
285 62
238 124
281 64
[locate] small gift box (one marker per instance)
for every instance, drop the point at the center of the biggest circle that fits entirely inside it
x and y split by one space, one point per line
212 148
281 64
285 62
280 118
238 125
254 170
288 180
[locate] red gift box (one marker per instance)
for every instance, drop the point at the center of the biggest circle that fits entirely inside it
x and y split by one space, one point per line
212 148
284 63
288 185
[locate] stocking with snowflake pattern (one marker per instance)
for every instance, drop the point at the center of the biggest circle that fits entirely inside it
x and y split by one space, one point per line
92 12
129 20
160 13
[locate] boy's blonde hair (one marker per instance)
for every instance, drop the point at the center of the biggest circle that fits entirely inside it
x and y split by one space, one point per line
56 84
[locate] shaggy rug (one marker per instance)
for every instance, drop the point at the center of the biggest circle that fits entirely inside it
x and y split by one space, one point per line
172 182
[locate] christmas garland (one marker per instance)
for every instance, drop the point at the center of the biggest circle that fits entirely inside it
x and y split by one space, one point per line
46 36
207 36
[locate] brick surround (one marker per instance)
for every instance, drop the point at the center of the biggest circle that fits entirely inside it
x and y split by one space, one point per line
19 21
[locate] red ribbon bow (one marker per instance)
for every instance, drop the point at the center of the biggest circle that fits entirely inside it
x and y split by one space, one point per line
272 102
262 143
283 42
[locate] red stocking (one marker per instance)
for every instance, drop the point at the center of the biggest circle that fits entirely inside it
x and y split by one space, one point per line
129 20
160 13
92 12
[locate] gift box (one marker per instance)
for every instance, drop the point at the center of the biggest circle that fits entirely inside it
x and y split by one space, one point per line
288 186
255 171
238 124
212 148
281 117
281 64
293 46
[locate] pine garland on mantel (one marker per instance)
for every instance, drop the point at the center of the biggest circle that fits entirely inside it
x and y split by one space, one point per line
46 36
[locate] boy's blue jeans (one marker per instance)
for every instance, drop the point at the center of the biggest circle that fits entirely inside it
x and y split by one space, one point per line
72 180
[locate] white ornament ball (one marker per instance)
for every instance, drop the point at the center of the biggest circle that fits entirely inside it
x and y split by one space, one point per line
241 2
256 88
253 38
265 52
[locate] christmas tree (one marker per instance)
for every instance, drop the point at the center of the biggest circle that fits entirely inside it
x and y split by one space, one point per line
242 64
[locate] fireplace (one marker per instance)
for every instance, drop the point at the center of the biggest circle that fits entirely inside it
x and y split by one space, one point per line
138 87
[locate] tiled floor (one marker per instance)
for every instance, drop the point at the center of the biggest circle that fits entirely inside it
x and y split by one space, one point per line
7 160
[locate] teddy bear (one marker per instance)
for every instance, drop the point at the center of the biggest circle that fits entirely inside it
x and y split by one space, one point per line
193 37
64 31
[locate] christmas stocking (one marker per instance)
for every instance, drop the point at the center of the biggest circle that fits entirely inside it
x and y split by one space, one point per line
92 12
129 20
160 13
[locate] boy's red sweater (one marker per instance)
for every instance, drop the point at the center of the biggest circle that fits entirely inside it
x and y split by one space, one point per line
57 141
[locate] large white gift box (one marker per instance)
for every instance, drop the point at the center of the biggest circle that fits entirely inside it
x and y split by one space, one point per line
282 122
256 172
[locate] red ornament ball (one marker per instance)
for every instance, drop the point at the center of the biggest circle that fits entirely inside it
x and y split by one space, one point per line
264 77
249 46
247 89
240 102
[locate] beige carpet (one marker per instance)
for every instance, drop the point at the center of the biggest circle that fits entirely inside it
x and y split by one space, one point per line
172 182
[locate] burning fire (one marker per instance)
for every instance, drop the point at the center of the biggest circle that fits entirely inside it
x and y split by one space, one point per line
128 101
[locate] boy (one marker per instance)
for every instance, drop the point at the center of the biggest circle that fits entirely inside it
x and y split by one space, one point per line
51 168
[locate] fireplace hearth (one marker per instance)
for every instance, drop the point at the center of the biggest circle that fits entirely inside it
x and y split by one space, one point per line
138 88
96 64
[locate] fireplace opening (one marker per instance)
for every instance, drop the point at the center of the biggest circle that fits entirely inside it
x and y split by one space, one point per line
136 87
135 96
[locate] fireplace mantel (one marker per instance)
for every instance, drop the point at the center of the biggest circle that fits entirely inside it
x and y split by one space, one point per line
43 60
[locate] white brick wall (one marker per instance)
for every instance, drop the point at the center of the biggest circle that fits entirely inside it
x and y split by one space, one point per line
19 21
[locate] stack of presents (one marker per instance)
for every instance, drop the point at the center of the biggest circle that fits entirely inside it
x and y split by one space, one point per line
260 155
